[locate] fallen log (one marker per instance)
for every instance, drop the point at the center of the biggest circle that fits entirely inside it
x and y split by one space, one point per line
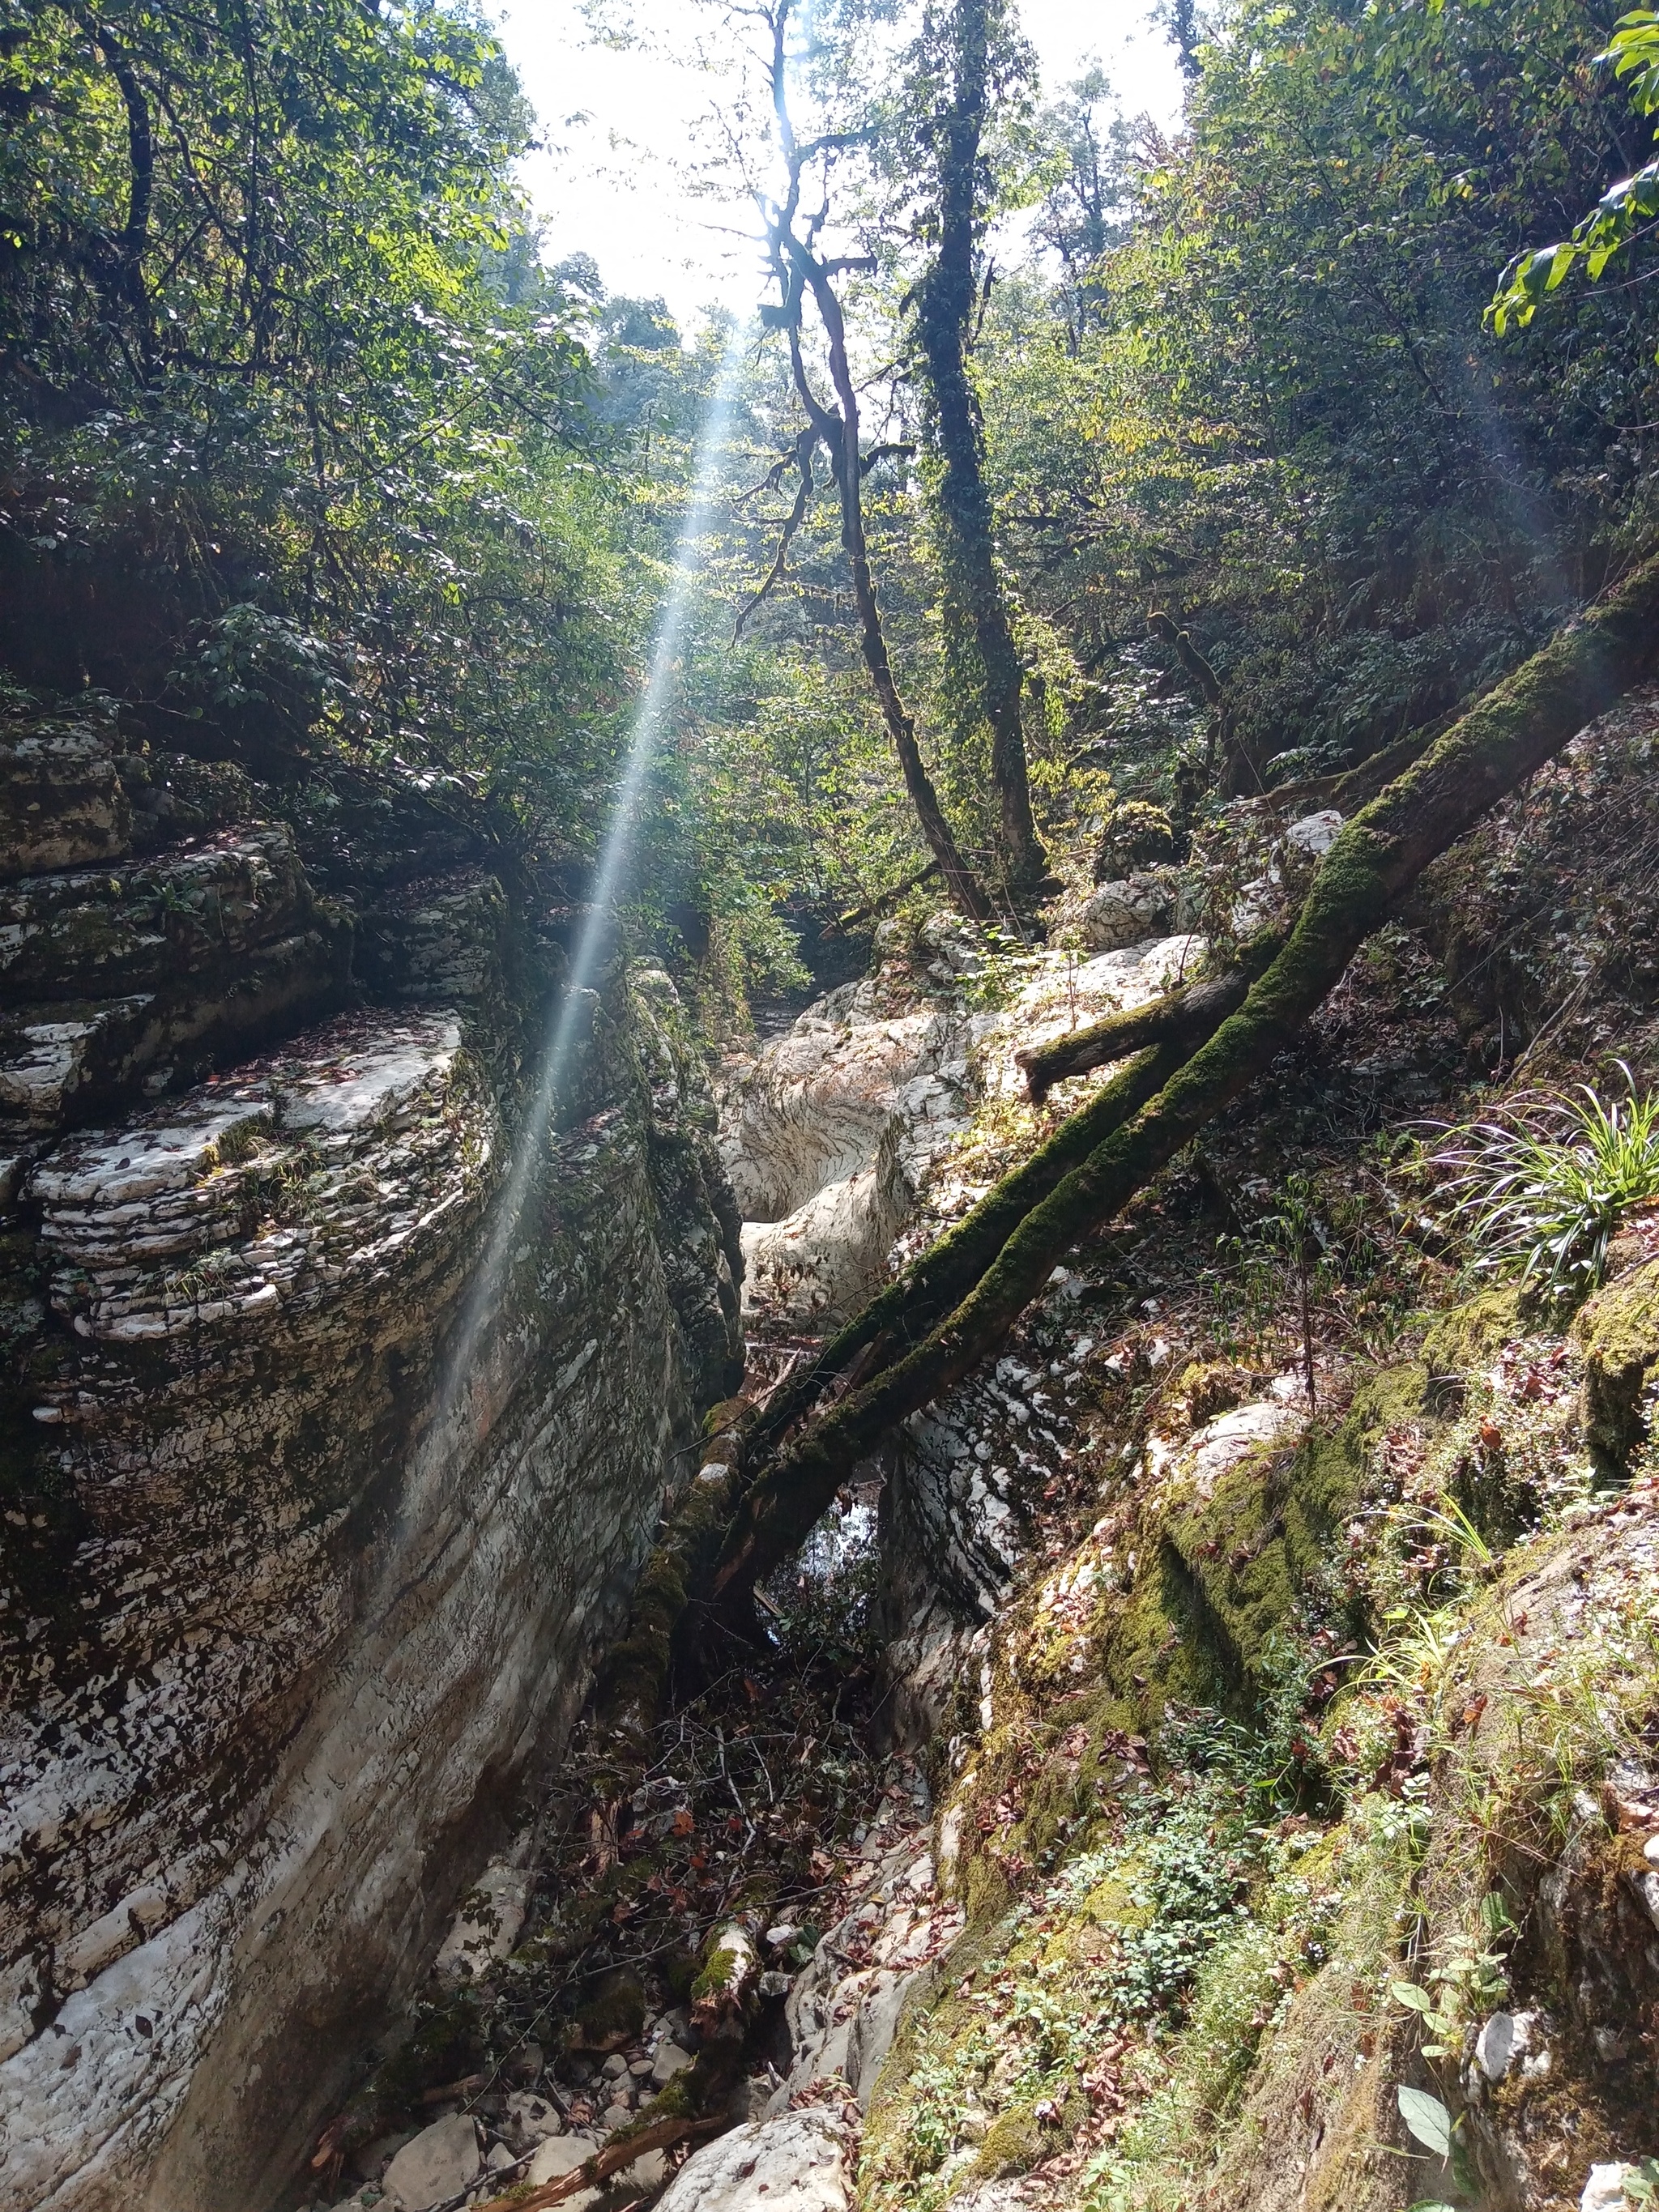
1373 863
1183 1018
903 1313
620 2151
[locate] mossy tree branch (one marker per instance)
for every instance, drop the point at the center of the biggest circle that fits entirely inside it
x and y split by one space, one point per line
1373 863
1185 1017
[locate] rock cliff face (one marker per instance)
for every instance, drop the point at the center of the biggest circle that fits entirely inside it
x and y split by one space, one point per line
338 1412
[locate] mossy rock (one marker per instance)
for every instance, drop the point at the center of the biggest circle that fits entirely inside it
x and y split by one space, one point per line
1211 1605
1133 836
1470 1337
613 2016
1213 1387
1618 1328
1013 2144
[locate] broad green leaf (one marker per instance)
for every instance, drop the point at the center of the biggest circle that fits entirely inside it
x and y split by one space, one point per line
1426 2118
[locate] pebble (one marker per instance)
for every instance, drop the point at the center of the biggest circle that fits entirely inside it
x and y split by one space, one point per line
1605 2189
670 2060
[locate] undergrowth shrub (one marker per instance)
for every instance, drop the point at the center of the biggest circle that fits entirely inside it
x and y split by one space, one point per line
1540 1186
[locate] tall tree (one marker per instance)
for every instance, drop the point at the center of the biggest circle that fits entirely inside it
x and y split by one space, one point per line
972 55
803 271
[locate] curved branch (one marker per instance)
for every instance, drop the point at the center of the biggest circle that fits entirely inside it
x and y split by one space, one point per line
1185 1017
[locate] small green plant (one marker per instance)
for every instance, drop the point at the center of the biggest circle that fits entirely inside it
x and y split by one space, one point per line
1469 1983
1541 1185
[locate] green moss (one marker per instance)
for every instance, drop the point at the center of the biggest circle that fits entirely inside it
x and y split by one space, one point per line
1013 2144
1618 1329
1471 1335
716 1977
613 2015
1223 1579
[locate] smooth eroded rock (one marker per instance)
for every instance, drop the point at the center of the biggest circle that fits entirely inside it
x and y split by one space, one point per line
797 2160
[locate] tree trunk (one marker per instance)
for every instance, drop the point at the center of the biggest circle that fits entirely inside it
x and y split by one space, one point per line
946 300
1372 865
841 435
903 1314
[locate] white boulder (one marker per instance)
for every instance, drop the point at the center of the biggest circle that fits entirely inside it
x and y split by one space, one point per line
435 2164
796 2162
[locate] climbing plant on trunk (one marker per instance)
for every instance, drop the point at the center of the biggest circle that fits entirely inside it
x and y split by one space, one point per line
970 44
801 271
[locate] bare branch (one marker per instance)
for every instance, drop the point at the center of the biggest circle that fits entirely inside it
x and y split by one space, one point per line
802 459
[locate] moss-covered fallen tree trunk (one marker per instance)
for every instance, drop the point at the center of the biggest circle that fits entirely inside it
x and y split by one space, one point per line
1371 865
901 1314
1183 1017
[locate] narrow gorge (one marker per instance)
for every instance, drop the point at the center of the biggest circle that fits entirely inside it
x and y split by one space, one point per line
829 1106
289 1613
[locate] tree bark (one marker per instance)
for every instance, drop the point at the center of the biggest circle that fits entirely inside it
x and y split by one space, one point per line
945 303
840 433
1373 862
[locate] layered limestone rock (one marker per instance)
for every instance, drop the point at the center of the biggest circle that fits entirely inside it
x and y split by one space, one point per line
340 1403
829 1131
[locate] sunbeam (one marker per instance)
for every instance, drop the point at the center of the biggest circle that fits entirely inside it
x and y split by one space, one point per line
571 1019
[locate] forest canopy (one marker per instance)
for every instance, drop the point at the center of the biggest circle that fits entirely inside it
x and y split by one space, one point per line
306 447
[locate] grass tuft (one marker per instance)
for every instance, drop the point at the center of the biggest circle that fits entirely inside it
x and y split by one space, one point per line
1541 1185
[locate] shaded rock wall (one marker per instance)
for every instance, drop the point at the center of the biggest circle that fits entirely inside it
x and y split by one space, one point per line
309 1529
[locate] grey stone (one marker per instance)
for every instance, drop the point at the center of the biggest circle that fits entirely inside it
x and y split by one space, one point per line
670 2060
796 2162
560 2155
62 802
1314 833
530 2118
438 2163
1125 912
253 1282
1495 2046
876 2024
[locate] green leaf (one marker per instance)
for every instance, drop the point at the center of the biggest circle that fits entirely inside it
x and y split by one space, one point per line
1427 2119
1408 1993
